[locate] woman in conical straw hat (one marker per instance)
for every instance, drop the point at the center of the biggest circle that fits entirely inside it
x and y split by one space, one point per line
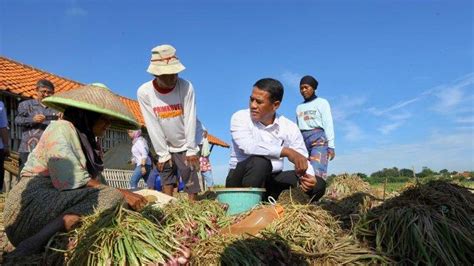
62 180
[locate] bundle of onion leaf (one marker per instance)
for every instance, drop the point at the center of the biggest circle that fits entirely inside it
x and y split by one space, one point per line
265 249
344 185
122 237
349 209
429 224
313 232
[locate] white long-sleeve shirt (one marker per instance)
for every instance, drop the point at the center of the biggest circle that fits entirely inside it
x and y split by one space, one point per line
314 114
140 151
170 118
254 138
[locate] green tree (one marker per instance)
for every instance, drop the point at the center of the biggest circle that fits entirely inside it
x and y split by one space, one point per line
426 172
362 175
406 172
444 173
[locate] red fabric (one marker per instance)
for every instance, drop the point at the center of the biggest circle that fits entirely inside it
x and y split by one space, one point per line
167 59
161 90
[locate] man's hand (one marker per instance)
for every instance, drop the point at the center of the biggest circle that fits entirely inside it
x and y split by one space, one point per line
193 162
331 153
135 201
160 166
39 118
300 162
307 182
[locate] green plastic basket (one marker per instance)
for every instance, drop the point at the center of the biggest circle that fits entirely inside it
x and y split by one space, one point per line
239 199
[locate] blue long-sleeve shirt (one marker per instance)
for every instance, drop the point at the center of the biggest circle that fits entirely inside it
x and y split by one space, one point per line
316 114
3 120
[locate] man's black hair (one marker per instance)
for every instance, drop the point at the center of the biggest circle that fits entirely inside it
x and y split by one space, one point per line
44 83
273 87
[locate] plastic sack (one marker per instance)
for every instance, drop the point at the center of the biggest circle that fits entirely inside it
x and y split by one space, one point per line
257 220
206 148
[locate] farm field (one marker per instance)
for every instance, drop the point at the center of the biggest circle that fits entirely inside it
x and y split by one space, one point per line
396 186
348 220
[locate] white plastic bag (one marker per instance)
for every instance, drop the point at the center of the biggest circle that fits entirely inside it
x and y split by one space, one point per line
206 148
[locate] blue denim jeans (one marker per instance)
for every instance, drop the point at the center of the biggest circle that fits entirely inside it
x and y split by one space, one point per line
209 181
137 174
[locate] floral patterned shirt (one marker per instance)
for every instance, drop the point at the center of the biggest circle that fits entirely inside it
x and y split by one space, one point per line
205 164
59 156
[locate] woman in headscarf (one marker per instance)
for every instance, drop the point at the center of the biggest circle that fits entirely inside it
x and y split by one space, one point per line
62 179
315 122
141 158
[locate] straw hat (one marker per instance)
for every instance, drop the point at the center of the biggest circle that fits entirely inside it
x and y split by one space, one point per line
97 98
164 61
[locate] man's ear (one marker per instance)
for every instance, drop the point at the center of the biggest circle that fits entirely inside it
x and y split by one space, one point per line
276 105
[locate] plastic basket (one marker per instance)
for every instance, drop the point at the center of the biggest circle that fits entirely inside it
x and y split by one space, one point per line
239 199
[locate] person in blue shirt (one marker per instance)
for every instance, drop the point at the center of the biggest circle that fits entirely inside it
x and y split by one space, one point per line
154 179
4 142
315 122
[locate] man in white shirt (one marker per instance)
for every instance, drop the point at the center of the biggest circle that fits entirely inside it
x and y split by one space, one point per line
169 109
261 139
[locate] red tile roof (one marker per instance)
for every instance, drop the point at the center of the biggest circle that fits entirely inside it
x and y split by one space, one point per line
20 79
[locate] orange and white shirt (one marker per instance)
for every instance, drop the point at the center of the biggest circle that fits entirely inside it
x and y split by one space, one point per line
170 117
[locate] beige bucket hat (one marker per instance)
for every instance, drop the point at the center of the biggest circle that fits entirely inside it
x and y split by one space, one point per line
164 61
97 98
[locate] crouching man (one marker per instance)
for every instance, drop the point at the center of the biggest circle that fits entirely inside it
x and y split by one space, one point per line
261 139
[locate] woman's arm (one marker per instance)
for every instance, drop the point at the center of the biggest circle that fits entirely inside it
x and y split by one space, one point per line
136 202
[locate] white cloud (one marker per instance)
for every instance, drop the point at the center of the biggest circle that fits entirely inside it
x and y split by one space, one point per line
386 129
76 12
343 110
397 120
454 152
346 106
291 79
466 128
452 98
449 96
400 116
379 112
352 131
465 120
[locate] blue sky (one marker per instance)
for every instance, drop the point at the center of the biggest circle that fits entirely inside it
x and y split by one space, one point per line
398 74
